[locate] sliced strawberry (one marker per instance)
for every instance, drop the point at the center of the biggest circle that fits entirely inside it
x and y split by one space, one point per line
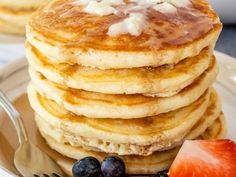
204 158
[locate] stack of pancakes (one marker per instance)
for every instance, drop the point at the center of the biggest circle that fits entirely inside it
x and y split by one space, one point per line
138 97
14 14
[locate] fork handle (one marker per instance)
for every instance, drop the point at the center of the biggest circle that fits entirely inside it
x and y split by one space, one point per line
14 116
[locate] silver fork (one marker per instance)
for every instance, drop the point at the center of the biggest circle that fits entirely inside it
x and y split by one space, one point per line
29 160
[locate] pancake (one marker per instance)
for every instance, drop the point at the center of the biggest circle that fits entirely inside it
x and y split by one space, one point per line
210 116
97 105
13 20
64 33
158 161
151 133
201 128
162 81
212 112
219 129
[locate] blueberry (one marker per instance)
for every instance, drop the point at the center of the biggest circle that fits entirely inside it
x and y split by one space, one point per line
161 174
113 167
87 167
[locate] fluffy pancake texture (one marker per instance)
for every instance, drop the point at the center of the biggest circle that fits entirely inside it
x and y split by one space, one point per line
154 133
211 114
151 164
97 105
160 81
64 33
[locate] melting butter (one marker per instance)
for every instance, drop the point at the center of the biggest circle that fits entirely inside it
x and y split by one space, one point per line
135 22
99 8
133 25
110 2
82 2
165 7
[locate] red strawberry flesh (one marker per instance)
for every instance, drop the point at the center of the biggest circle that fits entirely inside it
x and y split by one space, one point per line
205 158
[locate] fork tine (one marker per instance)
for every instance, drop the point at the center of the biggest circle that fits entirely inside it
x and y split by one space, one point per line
46 175
56 175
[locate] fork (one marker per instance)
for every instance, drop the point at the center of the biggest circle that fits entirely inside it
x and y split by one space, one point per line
29 160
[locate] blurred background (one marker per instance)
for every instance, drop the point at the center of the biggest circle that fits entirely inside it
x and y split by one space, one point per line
227 12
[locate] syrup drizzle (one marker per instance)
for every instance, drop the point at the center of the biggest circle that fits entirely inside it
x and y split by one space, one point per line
134 10
161 31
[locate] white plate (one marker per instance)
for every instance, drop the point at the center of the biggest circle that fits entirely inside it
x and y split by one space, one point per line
11 48
11 39
14 85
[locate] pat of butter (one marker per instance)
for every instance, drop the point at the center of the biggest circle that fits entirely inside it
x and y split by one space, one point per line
165 8
179 3
86 2
82 2
133 25
99 8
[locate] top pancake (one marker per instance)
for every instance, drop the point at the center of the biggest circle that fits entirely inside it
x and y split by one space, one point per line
64 33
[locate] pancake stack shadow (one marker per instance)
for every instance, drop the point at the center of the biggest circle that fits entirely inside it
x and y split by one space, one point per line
138 97
14 14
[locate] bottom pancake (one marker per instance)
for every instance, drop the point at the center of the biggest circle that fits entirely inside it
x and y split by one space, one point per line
158 161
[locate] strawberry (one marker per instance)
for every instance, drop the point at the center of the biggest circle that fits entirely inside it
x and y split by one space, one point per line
205 158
